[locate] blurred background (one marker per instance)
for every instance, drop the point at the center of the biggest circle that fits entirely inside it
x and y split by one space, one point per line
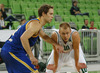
86 20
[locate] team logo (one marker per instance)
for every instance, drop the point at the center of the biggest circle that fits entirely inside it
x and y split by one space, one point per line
66 47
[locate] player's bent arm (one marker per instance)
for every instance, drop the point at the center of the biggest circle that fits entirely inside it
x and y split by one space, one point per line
49 40
31 30
56 55
76 42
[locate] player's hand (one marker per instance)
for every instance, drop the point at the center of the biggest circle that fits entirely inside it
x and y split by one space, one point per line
59 48
52 67
37 66
81 66
34 61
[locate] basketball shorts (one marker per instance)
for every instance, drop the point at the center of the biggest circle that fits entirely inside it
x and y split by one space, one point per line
17 62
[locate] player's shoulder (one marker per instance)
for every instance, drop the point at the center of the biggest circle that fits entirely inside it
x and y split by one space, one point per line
35 21
75 33
54 34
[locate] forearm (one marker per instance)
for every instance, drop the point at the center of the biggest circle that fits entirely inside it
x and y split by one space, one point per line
56 56
76 56
49 40
26 46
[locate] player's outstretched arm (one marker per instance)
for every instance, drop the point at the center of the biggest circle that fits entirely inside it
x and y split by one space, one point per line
51 41
56 55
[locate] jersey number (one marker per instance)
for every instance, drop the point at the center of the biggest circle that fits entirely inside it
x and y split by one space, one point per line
66 47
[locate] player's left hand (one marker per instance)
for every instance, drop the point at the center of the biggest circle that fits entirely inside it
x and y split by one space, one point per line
81 66
52 67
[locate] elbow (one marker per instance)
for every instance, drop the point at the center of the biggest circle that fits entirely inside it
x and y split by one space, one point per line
22 38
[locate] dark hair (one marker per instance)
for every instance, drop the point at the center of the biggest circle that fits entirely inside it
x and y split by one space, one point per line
74 2
85 19
44 8
91 21
22 20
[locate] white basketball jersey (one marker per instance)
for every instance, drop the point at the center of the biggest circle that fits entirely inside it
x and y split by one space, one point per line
67 45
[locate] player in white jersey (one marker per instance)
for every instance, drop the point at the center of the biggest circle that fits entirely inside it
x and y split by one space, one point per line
72 56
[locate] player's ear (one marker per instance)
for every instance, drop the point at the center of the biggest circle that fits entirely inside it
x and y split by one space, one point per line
43 13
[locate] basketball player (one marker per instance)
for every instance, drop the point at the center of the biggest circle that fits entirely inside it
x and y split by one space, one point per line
72 54
19 44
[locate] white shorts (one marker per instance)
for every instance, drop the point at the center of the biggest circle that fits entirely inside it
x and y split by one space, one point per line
66 59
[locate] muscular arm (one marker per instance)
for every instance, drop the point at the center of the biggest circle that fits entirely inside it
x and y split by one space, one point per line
49 40
76 41
32 29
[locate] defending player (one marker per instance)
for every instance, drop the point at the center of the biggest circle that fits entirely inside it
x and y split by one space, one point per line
72 54
19 44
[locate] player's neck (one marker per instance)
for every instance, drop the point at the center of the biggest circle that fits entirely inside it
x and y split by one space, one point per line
65 42
42 21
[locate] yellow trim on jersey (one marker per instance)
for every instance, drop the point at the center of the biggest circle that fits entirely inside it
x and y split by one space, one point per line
36 34
35 71
27 24
38 18
22 62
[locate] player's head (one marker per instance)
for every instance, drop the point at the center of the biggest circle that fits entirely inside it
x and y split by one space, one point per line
92 23
1 6
46 11
22 21
86 22
65 31
74 3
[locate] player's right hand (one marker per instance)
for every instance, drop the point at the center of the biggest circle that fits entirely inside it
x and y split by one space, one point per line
81 66
34 61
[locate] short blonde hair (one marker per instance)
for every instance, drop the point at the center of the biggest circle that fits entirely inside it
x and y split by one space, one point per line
64 25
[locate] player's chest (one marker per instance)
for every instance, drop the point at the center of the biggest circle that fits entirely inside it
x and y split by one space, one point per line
66 46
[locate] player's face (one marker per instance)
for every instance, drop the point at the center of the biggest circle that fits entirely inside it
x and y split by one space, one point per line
86 22
65 34
92 24
49 16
